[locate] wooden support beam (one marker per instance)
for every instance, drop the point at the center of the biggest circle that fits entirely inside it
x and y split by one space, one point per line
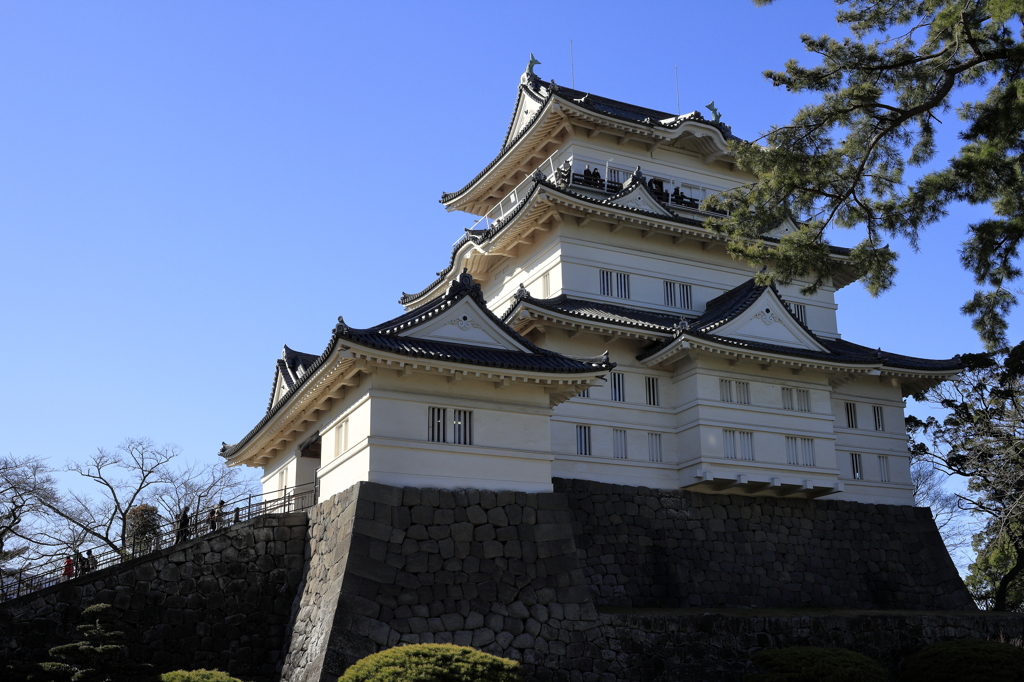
646 234
733 361
453 378
504 383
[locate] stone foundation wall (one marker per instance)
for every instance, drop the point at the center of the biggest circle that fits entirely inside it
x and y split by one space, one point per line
388 566
660 646
221 602
640 547
563 582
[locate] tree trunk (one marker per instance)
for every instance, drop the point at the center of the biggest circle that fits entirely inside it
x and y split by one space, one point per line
1004 584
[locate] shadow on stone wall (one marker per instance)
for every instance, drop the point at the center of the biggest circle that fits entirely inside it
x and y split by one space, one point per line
223 601
564 582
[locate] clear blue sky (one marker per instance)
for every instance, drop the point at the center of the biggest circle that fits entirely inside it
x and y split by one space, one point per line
186 186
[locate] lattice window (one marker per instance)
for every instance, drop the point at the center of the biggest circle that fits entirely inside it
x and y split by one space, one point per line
615 284
462 427
738 444
545 285
583 440
879 417
734 391
800 451
803 400
619 444
851 415
619 387
654 447
857 465
800 312
883 468
652 391
437 422
678 295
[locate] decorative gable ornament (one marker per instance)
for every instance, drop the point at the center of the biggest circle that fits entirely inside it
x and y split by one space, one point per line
767 316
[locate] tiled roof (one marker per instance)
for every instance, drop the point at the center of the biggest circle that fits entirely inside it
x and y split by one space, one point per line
387 337
595 103
482 236
291 367
600 312
732 303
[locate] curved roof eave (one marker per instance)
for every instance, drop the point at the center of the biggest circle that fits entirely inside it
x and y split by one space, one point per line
481 237
667 123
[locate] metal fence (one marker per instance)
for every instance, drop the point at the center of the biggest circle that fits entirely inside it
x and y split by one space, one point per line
203 522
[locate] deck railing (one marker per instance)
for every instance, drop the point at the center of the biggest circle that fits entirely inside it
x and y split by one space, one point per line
34 578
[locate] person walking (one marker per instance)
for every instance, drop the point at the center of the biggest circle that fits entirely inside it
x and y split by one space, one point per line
69 568
182 525
90 560
216 516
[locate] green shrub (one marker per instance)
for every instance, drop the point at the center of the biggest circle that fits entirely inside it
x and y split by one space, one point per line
432 663
965 660
815 664
197 676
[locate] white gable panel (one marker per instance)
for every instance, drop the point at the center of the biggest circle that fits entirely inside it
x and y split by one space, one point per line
768 321
465 323
638 197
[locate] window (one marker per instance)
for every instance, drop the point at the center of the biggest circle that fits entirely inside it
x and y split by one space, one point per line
879 417
614 284
883 468
583 440
619 443
799 312
282 479
857 466
725 390
436 422
652 391
851 415
341 438
800 451
802 400
462 427
654 447
619 387
585 393
545 285
734 391
787 399
678 295
738 444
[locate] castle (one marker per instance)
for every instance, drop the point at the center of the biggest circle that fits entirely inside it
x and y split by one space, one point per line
588 326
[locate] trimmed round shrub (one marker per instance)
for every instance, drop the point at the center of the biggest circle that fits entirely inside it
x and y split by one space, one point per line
815 664
198 676
432 663
965 660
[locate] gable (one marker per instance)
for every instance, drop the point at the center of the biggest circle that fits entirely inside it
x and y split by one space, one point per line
525 111
768 320
638 197
465 323
280 386
783 228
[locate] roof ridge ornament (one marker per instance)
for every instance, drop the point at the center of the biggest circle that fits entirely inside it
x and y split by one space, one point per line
464 283
529 77
522 293
341 327
715 112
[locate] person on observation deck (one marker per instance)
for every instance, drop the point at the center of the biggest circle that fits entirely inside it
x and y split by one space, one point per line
69 568
183 521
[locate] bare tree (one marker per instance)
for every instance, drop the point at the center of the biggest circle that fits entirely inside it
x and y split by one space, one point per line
136 472
26 489
129 475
